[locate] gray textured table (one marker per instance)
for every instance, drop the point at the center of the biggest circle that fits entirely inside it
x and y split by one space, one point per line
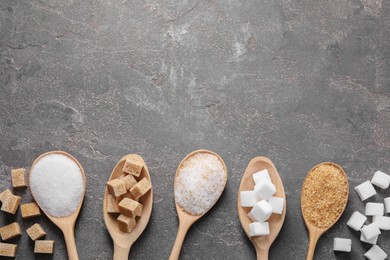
298 81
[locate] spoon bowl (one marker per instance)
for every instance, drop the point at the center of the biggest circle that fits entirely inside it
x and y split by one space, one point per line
122 240
185 219
65 224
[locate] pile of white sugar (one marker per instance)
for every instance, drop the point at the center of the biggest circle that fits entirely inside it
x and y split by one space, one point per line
199 183
57 184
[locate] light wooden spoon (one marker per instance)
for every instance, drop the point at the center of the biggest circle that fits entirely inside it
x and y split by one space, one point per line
122 240
65 224
261 243
314 232
186 220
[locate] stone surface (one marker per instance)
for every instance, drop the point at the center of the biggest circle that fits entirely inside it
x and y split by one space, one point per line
298 81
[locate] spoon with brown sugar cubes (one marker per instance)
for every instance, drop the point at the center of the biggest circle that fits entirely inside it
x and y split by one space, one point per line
57 183
324 197
127 203
199 182
262 173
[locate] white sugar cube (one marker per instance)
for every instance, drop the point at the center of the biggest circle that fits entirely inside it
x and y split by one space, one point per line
381 179
264 190
375 253
342 244
356 221
365 190
371 241
260 175
277 204
248 198
370 231
383 222
373 209
260 212
387 204
258 229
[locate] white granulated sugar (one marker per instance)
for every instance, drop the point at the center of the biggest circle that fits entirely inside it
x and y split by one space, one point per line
199 183
57 184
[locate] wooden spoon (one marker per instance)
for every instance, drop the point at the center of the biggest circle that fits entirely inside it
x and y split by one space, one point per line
122 240
186 220
65 224
261 243
314 232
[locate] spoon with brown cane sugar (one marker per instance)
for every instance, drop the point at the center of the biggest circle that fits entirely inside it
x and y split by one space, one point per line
57 183
262 244
199 182
123 240
324 197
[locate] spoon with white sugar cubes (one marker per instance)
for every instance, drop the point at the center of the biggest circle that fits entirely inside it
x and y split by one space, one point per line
261 204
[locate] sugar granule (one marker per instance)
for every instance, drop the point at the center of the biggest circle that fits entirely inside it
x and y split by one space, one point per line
199 183
57 184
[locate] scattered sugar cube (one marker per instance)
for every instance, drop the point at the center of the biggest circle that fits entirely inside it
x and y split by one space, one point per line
30 210
387 204
116 187
264 190
383 222
370 231
5 194
371 241
133 167
8 250
356 221
248 198
373 209
129 181
342 244
10 231
126 224
381 179
141 188
277 204
35 232
18 178
260 175
130 208
258 229
112 205
44 247
260 212
375 253
365 190
11 204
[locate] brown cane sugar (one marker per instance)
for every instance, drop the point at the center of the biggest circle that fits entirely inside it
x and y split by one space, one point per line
324 195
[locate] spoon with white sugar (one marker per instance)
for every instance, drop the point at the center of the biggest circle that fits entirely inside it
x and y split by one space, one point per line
57 183
199 182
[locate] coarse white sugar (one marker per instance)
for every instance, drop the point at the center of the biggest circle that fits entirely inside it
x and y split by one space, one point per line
258 229
260 175
356 221
57 184
387 204
260 212
199 183
373 209
370 231
248 198
375 253
371 241
365 190
277 204
342 244
383 222
264 189
381 179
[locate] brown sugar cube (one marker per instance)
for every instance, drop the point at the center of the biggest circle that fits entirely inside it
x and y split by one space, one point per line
30 210
36 232
116 187
44 246
18 178
129 181
126 224
130 208
112 205
10 231
5 194
10 204
8 250
132 167
141 188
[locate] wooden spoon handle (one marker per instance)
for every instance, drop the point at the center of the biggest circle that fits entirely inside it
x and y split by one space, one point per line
314 235
262 254
70 243
181 234
121 253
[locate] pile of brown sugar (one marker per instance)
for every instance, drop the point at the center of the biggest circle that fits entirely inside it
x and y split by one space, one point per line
324 195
